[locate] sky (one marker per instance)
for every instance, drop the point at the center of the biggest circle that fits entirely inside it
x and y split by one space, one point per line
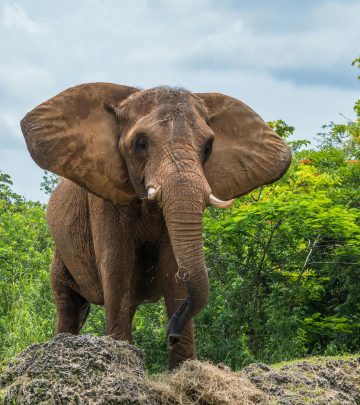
285 59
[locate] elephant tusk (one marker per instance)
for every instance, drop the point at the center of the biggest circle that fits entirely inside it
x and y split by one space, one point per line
215 202
151 192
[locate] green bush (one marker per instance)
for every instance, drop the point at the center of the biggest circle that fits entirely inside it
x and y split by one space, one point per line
26 306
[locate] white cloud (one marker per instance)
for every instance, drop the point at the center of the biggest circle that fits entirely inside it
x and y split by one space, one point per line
23 80
10 123
330 42
15 17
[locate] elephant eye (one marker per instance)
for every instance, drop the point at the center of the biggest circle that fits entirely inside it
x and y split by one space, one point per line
207 149
141 145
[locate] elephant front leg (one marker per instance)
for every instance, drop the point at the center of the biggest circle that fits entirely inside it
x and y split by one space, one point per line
175 294
112 233
119 303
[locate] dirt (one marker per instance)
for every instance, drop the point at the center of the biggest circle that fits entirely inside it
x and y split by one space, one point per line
99 370
319 381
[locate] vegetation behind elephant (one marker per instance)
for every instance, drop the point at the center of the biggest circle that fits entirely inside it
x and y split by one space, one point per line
139 168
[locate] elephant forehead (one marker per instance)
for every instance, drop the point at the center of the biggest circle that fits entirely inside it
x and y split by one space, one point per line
179 101
166 120
176 113
178 125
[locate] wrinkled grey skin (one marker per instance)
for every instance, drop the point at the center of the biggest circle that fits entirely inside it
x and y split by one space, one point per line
153 159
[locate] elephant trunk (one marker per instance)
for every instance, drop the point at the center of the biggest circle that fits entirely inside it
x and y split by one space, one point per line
183 207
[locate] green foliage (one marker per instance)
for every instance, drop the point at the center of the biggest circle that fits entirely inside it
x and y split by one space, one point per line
282 128
278 258
26 309
150 334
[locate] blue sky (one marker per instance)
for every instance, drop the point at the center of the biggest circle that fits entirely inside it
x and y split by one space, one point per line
286 59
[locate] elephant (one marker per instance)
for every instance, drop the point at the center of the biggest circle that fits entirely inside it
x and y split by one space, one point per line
138 168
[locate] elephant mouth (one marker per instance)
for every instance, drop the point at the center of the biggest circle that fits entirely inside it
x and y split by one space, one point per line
140 187
153 193
147 190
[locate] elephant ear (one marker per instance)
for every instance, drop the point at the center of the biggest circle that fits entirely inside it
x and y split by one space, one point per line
75 136
246 152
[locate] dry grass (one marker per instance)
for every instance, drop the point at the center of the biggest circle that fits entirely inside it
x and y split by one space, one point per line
319 381
90 370
203 383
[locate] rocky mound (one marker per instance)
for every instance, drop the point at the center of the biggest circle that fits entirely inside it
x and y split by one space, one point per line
90 370
77 370
319 381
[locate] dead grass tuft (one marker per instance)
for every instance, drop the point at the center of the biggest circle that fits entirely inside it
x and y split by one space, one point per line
203 383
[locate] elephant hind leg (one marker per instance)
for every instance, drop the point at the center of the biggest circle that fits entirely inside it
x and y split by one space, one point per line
84 313
71 308
71 311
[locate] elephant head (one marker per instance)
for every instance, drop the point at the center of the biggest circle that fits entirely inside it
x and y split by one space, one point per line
186 151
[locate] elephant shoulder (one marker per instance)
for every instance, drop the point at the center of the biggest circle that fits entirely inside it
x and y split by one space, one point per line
67 204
